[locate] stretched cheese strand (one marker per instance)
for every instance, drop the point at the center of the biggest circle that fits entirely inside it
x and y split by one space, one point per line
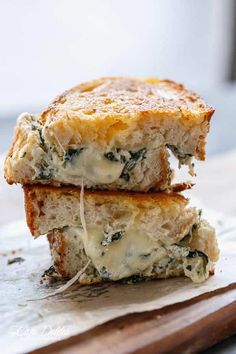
65 286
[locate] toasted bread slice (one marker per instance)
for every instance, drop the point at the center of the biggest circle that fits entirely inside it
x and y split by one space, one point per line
114 133
123 234
50 207
194 257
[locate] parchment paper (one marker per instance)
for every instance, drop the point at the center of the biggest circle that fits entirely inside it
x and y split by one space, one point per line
26 325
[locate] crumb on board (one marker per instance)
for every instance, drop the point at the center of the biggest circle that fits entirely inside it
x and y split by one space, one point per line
15 260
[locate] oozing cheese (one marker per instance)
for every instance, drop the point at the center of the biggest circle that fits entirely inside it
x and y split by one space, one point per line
136 253
92 165
133 253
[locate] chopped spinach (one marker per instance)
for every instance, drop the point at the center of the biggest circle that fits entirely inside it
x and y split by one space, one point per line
112 236
125 176
133 279
110 156
135 157
187 239
44 174
145 255
39 129
42 141
128 158
71 154
200 213
117 156
104 273
196 253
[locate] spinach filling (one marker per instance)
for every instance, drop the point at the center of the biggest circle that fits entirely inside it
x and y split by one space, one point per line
196 264
38 127
117 156
104 273
135 157
44 174
185 241
109 237
130 159
133 279
71 154
202 255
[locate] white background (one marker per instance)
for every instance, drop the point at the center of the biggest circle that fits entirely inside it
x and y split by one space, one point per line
48 46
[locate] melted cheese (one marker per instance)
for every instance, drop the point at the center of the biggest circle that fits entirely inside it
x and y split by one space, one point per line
197 271
92 164
133 253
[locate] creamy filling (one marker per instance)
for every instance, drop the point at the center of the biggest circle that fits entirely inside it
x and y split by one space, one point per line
93 165
118 254
99 167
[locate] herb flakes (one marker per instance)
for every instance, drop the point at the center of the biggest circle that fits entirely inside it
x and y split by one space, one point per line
135 157
71 154
104 273
111 236
133 279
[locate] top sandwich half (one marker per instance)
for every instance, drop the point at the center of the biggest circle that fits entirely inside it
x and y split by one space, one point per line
112 133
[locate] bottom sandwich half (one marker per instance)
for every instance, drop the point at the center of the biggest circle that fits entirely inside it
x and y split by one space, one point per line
121 236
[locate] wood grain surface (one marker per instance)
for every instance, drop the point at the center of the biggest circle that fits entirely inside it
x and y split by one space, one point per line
187 327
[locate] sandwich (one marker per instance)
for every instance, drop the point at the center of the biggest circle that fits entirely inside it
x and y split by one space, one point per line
125 236
112 134
85 163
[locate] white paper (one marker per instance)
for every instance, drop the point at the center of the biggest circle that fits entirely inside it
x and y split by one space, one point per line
26 325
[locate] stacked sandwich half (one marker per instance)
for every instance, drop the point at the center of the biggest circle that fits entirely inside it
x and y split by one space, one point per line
97 180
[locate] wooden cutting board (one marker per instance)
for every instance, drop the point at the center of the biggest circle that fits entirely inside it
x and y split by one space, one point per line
187 327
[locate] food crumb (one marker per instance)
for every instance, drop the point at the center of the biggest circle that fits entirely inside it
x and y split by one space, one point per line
15 260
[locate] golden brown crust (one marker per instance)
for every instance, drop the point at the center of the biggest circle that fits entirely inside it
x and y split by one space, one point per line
113 96
35 191
180 187
101 109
